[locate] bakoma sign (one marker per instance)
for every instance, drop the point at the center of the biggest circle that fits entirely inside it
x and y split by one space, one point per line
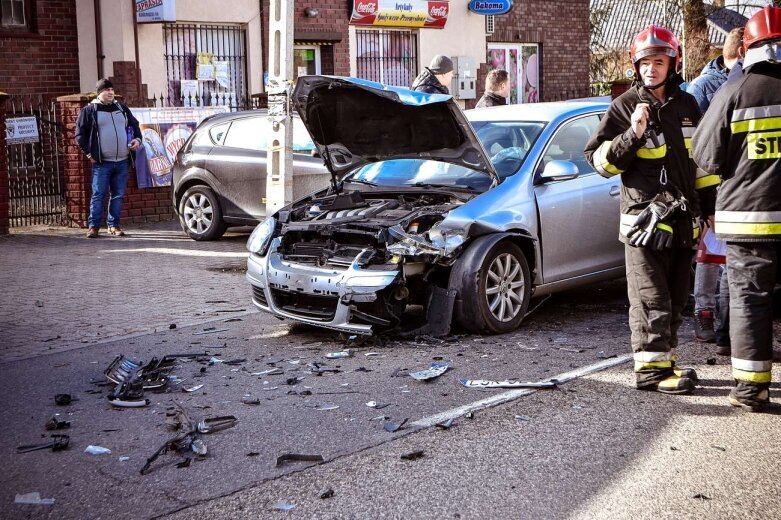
487 8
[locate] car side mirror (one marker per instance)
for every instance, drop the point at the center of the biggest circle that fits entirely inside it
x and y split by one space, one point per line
559 170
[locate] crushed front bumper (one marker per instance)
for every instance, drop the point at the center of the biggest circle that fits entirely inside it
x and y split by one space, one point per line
319 296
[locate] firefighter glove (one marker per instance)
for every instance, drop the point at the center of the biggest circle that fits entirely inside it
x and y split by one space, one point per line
651 228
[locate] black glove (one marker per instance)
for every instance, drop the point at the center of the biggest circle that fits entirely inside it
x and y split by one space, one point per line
651 228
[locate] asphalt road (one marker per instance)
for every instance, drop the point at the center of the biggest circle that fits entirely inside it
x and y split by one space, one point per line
592 448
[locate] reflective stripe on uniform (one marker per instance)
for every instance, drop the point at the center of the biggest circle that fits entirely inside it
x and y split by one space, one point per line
601 163
748 222
705 179
756 118
645 356
752 366
650 150
752 377
688 132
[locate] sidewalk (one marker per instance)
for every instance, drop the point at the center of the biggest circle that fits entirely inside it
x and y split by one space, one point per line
62 291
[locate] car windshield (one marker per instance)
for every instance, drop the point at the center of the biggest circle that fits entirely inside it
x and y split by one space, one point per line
507 142
419 172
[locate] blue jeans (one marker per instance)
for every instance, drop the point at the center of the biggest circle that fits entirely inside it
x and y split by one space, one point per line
112 177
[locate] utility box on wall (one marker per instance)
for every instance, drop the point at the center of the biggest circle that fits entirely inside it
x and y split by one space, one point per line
464 85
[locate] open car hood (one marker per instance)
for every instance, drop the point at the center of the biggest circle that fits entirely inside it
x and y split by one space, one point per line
354 122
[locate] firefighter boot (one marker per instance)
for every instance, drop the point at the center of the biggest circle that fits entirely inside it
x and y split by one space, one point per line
688 372
673 384
752 397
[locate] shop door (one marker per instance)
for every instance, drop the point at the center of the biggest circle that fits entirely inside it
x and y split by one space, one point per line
306 60
521 61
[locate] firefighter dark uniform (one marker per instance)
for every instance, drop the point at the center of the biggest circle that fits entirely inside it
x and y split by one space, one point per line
740 141
653 166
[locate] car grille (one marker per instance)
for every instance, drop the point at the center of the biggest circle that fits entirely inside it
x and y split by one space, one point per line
310 306
259 296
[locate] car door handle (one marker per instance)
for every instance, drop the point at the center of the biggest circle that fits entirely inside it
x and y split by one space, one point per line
614 191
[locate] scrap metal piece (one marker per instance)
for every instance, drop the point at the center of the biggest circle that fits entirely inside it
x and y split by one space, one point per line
122 403
297 457
215 424
58 442
55 423
508 383
339 355
436 370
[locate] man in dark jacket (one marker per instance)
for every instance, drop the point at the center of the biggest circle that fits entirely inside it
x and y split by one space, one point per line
107 133
436 77
645 137
739 141
497 88
706 276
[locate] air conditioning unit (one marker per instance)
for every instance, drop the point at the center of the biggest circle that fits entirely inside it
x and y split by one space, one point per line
490 23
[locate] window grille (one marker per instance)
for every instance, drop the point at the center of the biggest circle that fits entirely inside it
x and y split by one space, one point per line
387 56
490 23
221 47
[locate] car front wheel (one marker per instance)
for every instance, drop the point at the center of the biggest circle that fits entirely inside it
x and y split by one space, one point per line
200 214
499 300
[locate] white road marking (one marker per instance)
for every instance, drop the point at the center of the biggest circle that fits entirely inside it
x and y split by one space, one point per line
511 395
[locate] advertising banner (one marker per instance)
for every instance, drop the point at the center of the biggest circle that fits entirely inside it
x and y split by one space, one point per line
155 11
164 131
394 13
20 130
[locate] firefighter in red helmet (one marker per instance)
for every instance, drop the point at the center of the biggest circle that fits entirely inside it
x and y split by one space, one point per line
646 137
740 141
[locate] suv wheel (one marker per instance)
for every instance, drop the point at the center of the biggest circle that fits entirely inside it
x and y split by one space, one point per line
499 300
200 214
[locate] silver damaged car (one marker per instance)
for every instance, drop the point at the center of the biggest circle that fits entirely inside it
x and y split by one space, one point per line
465 214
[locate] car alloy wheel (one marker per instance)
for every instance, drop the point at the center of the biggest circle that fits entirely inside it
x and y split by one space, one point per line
505 287
200 214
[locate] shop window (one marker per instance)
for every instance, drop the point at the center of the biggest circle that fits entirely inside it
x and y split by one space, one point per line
387 56
521 61
206 65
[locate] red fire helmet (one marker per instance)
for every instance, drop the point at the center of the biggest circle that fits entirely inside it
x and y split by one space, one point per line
765 25
655 40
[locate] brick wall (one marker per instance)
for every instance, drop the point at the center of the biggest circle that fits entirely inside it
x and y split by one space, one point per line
331 25
4 188
46 60
140 205
561 30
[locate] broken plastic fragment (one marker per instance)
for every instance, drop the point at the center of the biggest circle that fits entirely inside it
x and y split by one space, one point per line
394 427
33 499
270 372
97 450
192 388
297 457
375 404
326 407
414 455
435 370
338 355
446 424
124 459
215 424
522 418
283 506
507 383
250 400
124 403
198 446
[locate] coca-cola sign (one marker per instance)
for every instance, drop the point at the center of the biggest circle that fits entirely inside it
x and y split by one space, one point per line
400 13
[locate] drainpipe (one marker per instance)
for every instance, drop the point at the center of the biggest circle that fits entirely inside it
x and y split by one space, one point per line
135 42
263 57
98 39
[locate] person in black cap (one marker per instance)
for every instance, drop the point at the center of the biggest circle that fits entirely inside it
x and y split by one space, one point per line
436 77
107 132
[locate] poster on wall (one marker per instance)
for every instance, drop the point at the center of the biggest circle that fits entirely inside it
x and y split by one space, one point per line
155 11
392 13
21 130
164 131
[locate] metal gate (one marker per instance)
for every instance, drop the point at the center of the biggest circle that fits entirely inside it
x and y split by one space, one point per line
33 149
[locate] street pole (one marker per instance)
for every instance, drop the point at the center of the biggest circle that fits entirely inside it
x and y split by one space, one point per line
279 171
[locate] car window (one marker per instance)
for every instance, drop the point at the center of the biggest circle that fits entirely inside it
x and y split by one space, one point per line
217 132
247 133
419 172
568 143
507 142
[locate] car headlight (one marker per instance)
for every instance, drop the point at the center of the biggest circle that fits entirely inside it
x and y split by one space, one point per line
448 240
260 238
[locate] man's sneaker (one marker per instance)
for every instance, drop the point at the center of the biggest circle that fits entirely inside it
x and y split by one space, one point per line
751 402
686 372
703 326
117 232
672 385
92 233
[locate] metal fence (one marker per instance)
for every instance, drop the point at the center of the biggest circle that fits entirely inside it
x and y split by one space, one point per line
387 56
206 64
35 178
